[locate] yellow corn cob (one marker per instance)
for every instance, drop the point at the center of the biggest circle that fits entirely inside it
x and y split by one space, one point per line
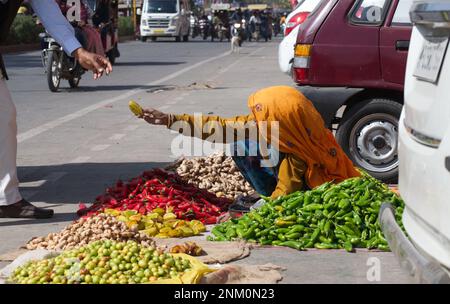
135 108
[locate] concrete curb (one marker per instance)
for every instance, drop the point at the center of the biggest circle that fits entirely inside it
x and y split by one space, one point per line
20 48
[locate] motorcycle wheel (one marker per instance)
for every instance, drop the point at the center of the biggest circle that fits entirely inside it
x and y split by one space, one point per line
53 71
74 82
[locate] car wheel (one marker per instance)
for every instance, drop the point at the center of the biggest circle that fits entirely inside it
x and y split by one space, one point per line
143 38
369 133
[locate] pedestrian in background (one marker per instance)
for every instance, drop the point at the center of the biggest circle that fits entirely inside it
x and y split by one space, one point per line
12 205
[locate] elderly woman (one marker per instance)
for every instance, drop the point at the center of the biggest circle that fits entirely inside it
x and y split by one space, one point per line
308 153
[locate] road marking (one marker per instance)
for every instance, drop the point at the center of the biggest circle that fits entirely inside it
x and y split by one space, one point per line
80 159
98 148
117 137
52 178
223 71
80 113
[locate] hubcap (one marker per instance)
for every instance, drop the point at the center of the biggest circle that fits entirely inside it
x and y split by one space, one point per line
373 142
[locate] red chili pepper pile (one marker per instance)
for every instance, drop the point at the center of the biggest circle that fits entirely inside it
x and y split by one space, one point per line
160 189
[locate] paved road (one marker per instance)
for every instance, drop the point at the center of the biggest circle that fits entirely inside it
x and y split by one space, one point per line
74 143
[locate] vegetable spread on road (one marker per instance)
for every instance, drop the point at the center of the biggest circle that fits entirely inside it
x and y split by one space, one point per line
330 216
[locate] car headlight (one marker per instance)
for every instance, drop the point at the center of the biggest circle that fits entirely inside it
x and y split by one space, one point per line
237 25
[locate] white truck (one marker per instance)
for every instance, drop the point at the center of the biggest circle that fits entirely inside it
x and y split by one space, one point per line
165 18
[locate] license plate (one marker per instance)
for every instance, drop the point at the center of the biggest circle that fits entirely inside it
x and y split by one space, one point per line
158 31
430 61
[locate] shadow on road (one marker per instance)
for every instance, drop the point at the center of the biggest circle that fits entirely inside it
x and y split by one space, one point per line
22 61
102 88
148 63
81 182
58 217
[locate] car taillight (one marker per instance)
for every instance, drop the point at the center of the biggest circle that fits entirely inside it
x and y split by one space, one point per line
301 62
297 19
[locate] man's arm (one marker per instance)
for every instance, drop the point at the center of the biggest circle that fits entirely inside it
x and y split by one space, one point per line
56 24
59 28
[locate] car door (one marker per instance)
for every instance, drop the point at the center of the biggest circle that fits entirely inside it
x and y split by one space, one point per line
346 48
394 42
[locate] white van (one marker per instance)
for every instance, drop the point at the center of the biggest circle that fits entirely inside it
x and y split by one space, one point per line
165 18
424 149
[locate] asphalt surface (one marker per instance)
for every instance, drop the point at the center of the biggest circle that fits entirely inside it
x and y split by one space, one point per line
75 143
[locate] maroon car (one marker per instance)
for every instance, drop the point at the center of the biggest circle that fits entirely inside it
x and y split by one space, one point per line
359 44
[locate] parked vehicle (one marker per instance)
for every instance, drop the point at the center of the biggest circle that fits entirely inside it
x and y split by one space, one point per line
424 150
299 14
58 65
359 44
165 18
287 46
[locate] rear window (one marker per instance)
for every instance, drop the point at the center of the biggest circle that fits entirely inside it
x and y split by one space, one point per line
370 12
309 5
401 15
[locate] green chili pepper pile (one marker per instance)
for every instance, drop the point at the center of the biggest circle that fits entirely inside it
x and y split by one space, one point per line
331 216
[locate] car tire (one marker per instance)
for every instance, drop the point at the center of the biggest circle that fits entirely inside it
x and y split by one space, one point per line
143 38
368 134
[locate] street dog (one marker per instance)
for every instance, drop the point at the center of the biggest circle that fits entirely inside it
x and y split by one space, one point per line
235 48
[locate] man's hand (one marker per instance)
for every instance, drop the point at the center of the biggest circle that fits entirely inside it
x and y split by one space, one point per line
155 117
96 63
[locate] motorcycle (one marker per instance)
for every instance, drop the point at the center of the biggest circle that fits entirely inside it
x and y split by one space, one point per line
238 30
58 65
221 32
257 31
196 30
204 28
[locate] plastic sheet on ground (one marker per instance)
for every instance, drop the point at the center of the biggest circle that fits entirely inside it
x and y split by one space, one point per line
245 274
215 252
192 276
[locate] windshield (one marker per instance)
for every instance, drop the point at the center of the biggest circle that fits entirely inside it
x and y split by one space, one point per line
162 6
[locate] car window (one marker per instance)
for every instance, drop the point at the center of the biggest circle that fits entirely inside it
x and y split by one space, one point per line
309 5
401 15
369 11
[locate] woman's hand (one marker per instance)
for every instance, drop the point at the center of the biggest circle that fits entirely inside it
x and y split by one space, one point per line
155 117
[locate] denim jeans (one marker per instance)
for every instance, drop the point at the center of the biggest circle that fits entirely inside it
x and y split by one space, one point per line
262 179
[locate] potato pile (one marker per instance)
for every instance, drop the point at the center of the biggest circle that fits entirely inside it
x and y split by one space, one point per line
216 173
87 230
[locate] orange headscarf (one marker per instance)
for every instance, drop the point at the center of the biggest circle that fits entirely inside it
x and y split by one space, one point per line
302 132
